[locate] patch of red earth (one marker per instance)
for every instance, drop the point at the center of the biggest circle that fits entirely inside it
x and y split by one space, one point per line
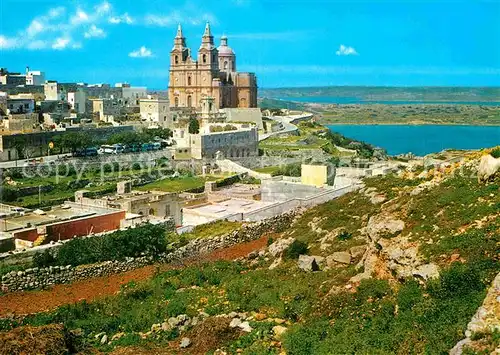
27 302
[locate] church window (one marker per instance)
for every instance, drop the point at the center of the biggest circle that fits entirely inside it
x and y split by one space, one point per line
225 65
189 100
189 80
176 59
176 102
204 58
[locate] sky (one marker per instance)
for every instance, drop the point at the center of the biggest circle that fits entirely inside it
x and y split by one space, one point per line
287 43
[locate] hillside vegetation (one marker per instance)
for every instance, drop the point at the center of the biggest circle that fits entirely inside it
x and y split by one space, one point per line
398 267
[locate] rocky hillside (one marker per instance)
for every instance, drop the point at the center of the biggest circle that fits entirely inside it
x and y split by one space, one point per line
405 265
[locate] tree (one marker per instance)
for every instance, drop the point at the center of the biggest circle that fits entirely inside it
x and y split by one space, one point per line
18 143
73 141
160 132
194 126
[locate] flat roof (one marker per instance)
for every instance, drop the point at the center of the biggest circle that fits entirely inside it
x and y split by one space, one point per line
196 215
57 214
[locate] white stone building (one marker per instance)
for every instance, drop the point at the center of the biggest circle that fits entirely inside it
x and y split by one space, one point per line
156 111
78 101
132 95
20 104
35 77
51 91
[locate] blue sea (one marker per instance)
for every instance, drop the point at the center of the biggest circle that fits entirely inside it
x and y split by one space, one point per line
422 139
354 100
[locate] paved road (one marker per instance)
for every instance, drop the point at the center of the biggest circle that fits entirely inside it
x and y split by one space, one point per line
23 162
286 121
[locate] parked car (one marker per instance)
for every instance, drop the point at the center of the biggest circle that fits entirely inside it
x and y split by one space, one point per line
107 149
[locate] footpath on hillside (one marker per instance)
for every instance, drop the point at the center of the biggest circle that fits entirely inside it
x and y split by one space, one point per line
27 302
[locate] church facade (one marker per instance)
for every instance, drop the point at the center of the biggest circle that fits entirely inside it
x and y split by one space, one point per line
212 74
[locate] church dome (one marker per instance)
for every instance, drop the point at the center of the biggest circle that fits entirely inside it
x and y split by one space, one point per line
224 49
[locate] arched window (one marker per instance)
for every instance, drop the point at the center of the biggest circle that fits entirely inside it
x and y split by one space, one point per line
225 65
189 103
176 102
204 58
176 59
189 80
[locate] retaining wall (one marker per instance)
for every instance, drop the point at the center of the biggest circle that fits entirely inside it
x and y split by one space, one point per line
34 278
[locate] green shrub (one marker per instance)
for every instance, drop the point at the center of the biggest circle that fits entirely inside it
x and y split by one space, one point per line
344 235
45 258
176 306
148 239
304 339
459 280
409 295
495 153
295 249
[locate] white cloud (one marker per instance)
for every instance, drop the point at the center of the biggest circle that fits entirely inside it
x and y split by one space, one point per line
7 43
103 8
345 50
79 17
56 12
61 43
95 31
175 17
37 44
71 26
163 21
35 27
125 18
142 52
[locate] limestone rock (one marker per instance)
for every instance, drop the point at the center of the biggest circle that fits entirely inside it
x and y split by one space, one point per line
117 336
279 246
185 342
383 225
245 326
459 347
104 339
427 271
275 263
308 263
279 330
341 257
358 251
235 322
488 167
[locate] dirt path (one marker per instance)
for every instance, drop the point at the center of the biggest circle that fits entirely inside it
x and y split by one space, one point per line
20 303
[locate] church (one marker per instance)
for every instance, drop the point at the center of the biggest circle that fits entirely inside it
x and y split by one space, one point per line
213 74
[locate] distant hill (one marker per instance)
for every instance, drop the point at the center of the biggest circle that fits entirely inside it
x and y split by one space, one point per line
376 93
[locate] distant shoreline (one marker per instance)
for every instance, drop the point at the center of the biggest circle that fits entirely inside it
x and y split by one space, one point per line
402 124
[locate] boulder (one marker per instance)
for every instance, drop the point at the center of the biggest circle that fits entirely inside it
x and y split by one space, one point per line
488 167
308 263
185 342
235 322
383 225
340 257
358 251
427 271
275 263
279 330
278 247
104 339
245 326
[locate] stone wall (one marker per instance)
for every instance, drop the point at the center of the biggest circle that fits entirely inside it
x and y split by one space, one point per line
34 278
